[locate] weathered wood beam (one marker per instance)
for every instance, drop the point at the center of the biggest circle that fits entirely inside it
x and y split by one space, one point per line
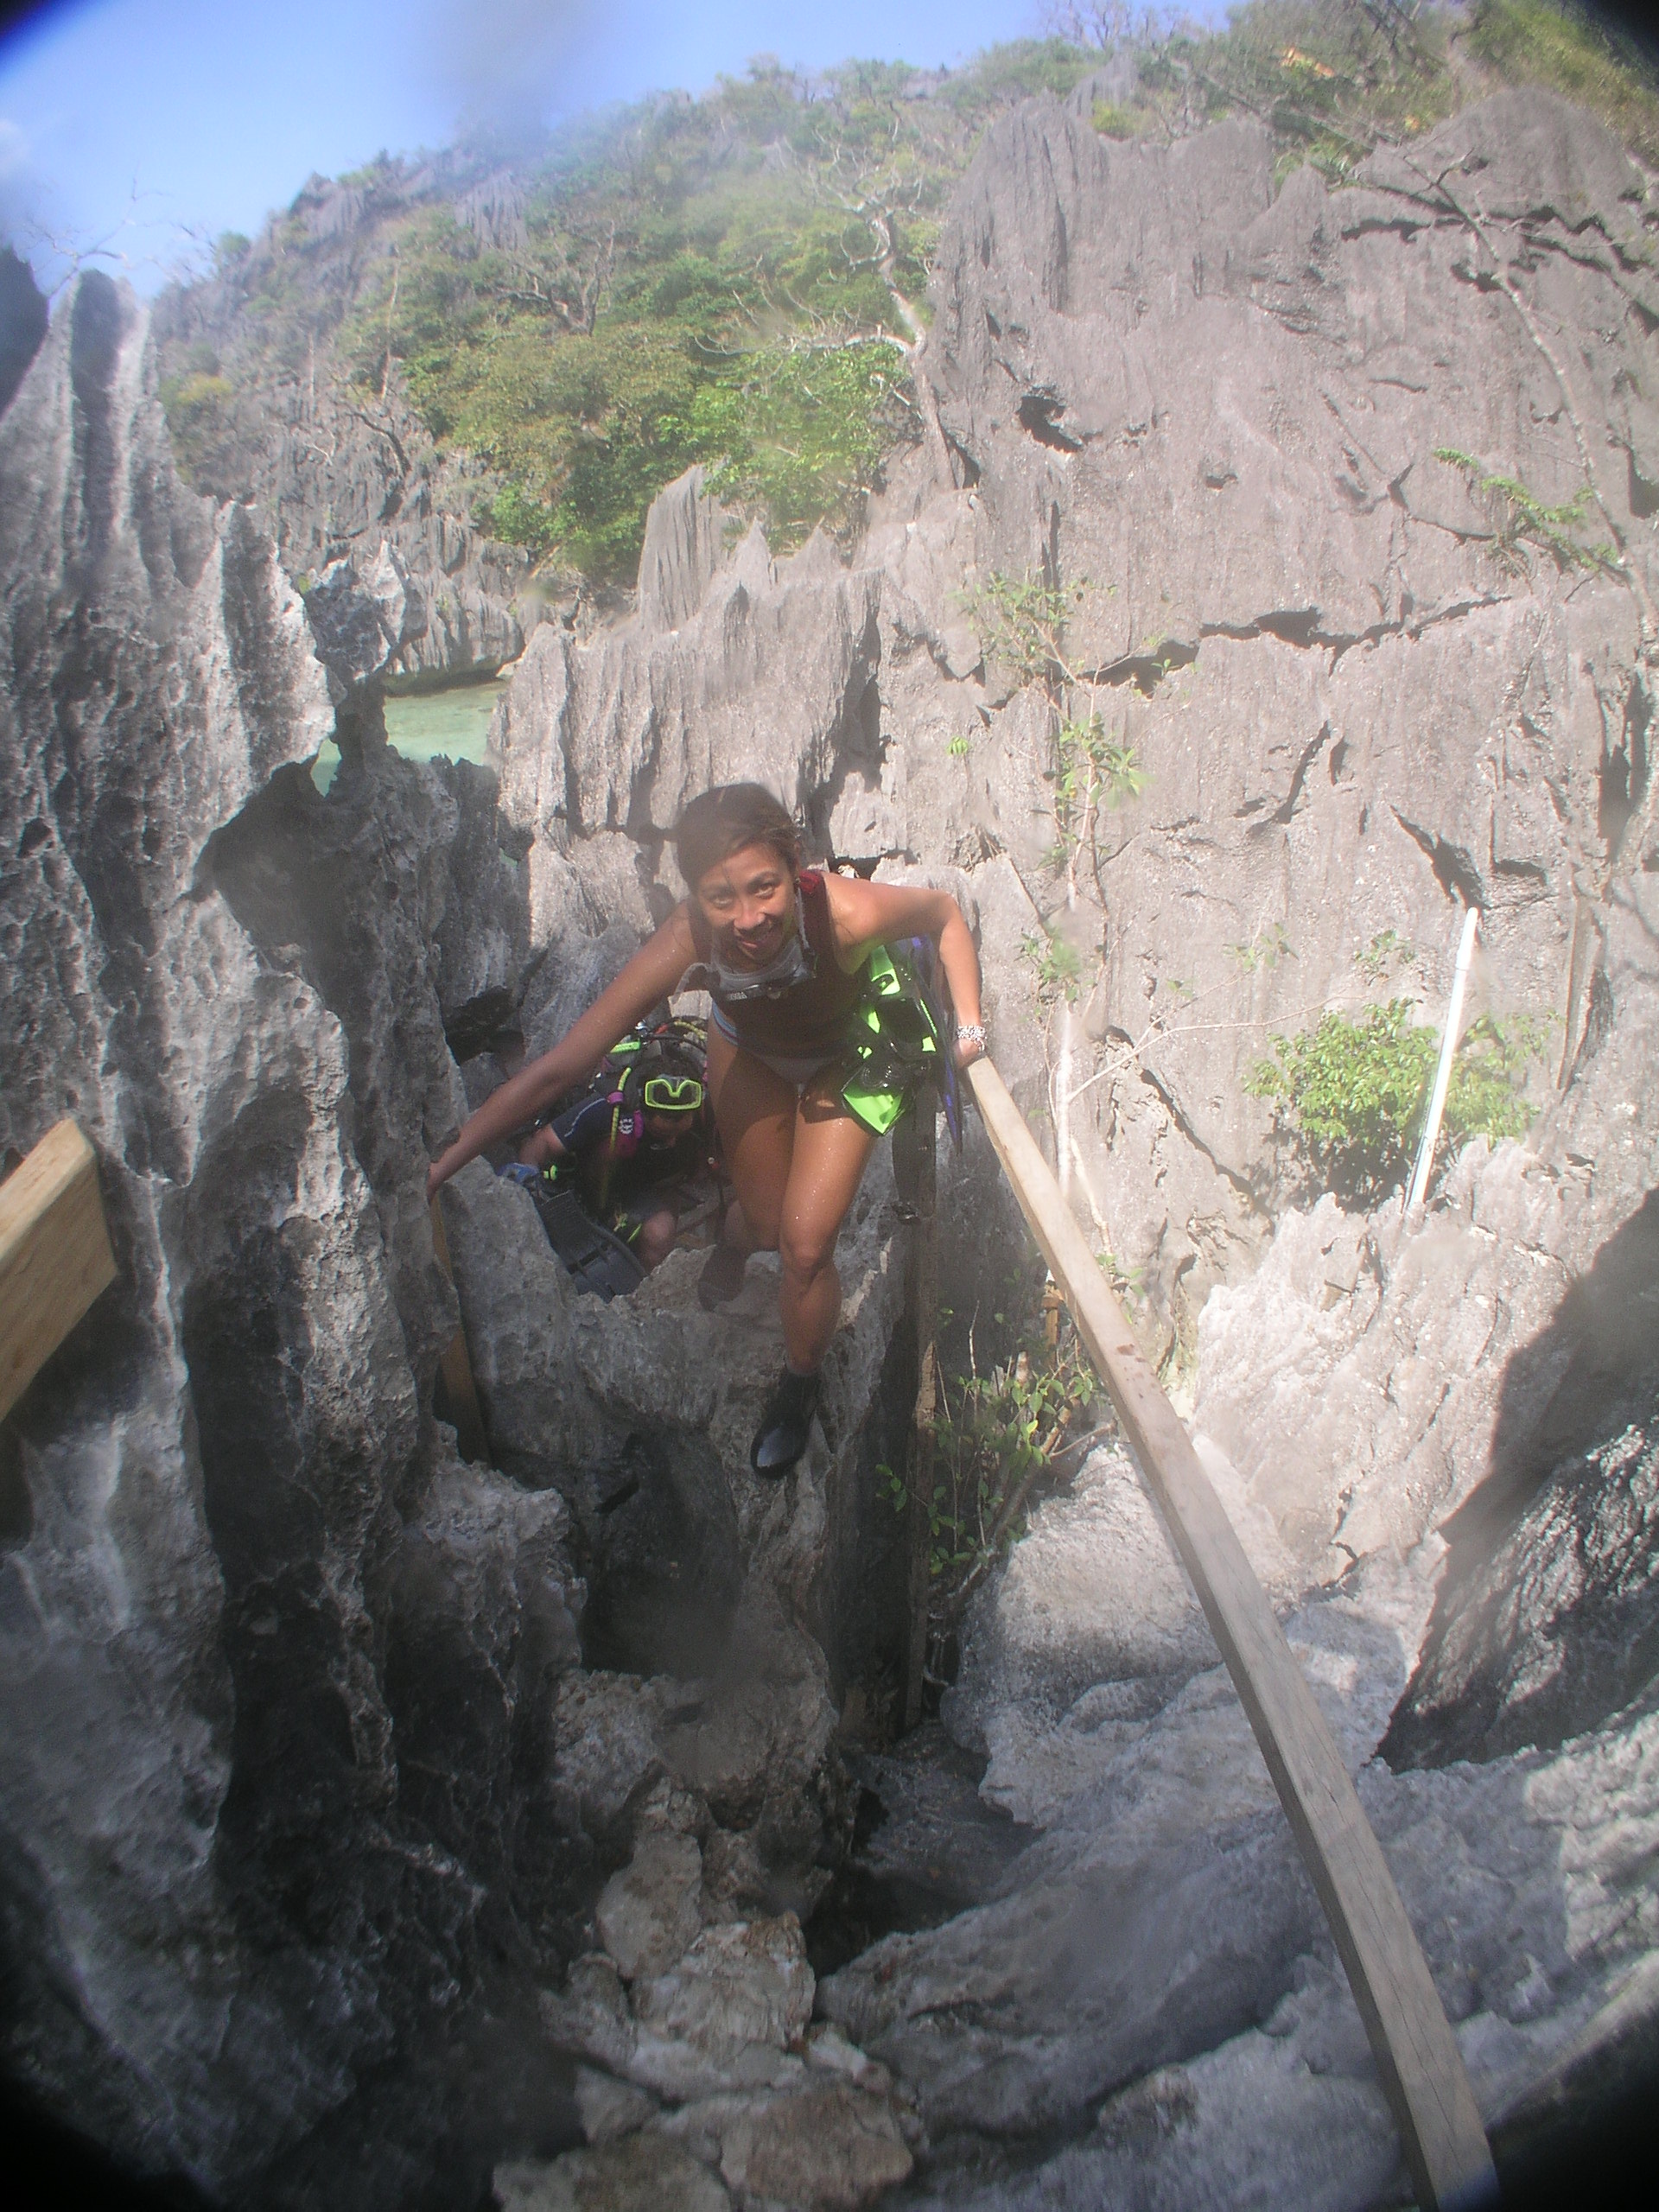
54 1254
1416 2052
472 1441
921 1288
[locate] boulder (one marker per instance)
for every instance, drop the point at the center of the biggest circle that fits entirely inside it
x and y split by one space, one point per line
643 2173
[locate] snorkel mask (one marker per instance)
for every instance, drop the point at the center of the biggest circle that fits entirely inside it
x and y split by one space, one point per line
672 1094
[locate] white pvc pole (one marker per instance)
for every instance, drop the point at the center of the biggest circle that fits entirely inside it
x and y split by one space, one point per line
1443 1071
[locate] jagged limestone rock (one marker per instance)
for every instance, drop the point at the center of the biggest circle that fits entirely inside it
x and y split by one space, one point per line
334 476
648 1915
1209 415
641 1413
683 549
246 1856
640 2174
1092 1627
363 623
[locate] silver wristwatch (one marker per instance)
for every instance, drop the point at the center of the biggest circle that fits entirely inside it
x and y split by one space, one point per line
971 1033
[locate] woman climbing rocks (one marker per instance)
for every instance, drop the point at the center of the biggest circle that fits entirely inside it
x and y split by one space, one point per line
787 954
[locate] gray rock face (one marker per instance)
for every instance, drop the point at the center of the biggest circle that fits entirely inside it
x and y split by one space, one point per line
363 627
751 1595
251 1601
22 322
1365 1383
1210 415
1345 707
684 548
331 477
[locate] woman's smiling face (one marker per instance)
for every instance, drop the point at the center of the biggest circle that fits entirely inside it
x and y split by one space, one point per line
749 901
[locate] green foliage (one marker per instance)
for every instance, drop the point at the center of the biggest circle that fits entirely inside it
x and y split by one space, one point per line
1114 121
1093 769
803 429
1351 1095
731 280
1022 621
513 515
998 1432
198 402
1519 513
1327 80
1330 81
1387 952
734 279
1265 950
1484 1098
1125 1282
1017 71
1059 968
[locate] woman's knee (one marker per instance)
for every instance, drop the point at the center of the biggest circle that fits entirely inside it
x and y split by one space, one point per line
805 1247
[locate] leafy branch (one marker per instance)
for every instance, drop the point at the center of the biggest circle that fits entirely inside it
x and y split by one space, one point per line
1520 513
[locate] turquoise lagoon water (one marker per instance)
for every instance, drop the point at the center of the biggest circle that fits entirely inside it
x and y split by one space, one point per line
422 725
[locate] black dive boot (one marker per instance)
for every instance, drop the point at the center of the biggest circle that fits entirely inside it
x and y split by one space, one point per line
722 1278
785 1425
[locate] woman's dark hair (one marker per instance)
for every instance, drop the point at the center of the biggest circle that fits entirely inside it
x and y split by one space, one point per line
723 821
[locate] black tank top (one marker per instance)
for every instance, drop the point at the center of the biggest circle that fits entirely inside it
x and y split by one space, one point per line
809 1017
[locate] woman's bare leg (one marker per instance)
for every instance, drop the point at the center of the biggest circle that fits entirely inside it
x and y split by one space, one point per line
755 1111
826 1167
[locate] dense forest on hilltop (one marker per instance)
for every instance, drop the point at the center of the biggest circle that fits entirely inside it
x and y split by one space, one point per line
739 280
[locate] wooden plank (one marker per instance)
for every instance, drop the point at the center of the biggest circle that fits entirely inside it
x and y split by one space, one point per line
1416 2052
919 1580
54 1254
920 1184
456 1368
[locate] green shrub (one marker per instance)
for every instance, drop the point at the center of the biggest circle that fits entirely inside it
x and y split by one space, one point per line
513 515
1351 1095
1093 770
1519 513
1114 121
1330 81
197 407
1000 1429
1059 965
801 432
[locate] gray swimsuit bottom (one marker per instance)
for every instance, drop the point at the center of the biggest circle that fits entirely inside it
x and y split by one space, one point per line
798 1070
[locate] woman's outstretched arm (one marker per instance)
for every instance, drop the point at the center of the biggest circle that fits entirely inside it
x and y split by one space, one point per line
654 971
868 914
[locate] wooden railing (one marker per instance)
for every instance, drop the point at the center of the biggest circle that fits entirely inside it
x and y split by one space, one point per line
1416 2052
54 1254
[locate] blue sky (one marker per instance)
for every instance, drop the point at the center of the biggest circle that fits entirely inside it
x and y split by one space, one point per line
137 124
